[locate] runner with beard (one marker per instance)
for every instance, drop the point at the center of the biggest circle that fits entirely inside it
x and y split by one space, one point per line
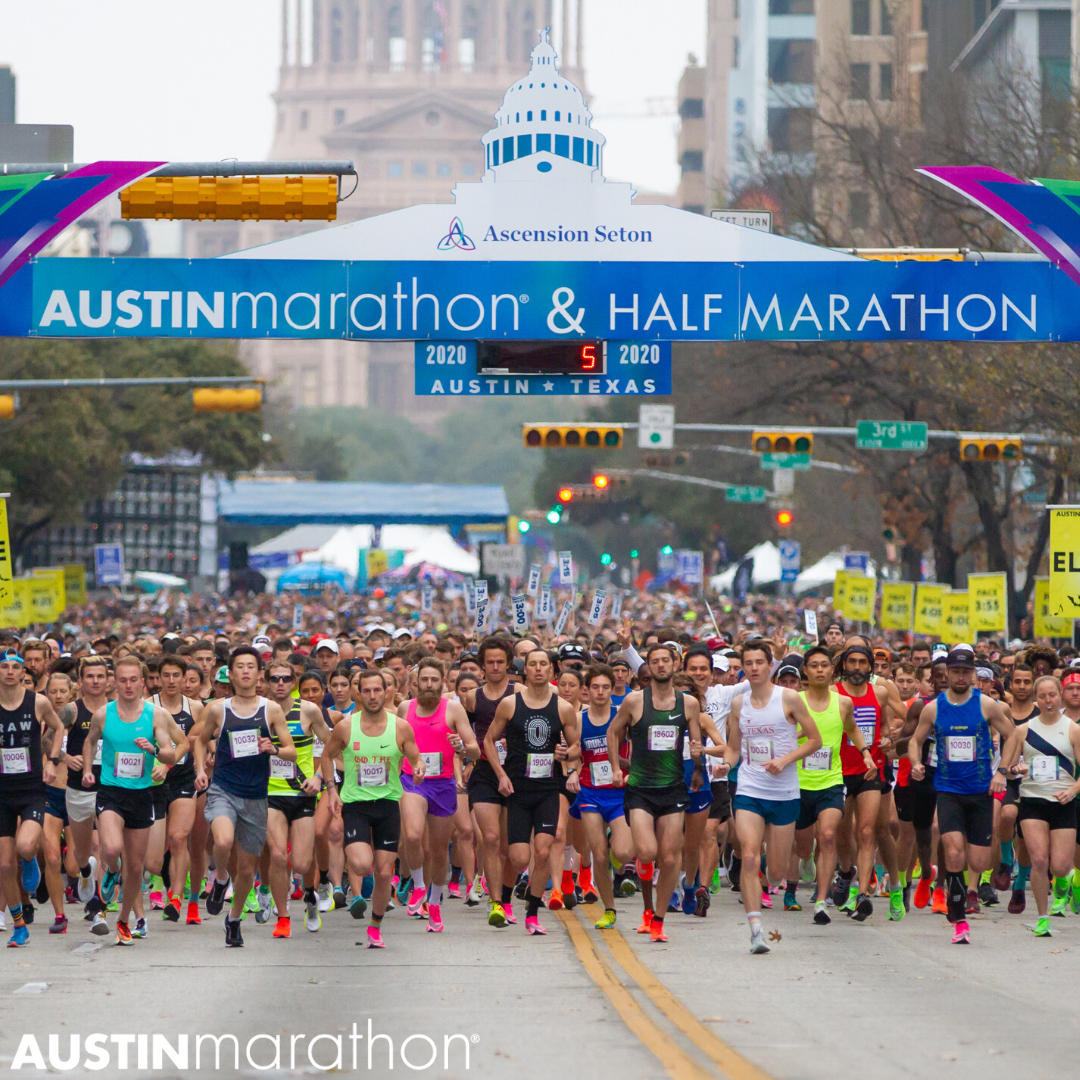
441 729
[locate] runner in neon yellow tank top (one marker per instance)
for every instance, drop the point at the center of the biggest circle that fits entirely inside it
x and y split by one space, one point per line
372 742
821 780
293 791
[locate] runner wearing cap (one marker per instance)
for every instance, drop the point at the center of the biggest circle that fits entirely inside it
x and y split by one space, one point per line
962 720
1048 790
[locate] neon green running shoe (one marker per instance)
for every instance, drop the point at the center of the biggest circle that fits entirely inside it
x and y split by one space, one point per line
496 915
853 895
1059 906
714 884
252 902
606 921
1074 902
1041 928
896 906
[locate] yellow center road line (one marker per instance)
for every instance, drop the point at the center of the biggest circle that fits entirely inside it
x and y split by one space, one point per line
677 1063
730 1062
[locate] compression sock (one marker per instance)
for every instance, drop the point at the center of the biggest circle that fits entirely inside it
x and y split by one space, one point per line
418 878
17 915
436 894
1022 878
532 909
376 920
507 894
1007 857
956 895
754 919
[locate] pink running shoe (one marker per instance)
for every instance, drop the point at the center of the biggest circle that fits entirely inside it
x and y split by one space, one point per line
508 911
454 890
374 938
766 900
416 901
435 923
157 901
962 933
532 924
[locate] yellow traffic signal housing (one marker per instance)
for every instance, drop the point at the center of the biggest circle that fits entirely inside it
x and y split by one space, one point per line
782 442
991 450
7 406
212 399
556 436
232 198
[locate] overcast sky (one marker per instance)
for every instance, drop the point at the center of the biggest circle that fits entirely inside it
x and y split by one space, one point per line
147 80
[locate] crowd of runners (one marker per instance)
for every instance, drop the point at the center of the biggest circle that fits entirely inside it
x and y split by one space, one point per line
251 770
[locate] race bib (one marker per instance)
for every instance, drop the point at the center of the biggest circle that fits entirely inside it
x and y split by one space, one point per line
1044 767
539 766
663 736
244 743
97 753
960 748
759 751
371 773
686 747
15 760
867 728
129 766
819 760
931 758
432 763
317 747
500 749
280 769
63 746
601 773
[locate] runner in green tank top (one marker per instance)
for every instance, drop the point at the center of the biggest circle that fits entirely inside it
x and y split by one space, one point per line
821 780
372 743
293 793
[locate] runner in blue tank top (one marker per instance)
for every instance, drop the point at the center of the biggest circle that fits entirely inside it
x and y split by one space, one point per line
961 719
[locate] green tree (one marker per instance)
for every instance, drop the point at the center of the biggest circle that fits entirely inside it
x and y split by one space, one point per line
67 446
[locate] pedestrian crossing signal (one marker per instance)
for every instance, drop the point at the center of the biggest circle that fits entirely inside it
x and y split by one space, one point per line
574 436
782 442
990 450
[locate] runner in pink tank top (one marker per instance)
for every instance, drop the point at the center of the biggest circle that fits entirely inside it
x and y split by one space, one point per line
441 727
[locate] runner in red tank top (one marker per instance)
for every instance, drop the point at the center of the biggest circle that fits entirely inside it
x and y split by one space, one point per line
868 793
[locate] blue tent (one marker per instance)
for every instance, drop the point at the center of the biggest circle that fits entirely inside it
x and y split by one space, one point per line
265 502
312 575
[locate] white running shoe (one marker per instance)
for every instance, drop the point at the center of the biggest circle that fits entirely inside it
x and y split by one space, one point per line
88 885
326 898
312 919
757 943
99 926
476 894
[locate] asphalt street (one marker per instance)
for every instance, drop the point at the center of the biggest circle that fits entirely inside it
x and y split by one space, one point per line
897 999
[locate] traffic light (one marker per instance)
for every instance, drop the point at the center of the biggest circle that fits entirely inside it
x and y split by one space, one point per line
634 553
7 406
782 442
232 198
784 518
601 481
566 494
605 559
523 526
554 515
212 399
556 436
990 450
666 549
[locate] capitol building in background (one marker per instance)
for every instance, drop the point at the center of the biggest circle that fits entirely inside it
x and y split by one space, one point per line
406 90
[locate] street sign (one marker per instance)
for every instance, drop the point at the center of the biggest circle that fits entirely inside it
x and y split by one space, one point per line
508 559
690 567
656 427
890 435
785 461
858 561
783 482
790 559
745 494
748 219
108 564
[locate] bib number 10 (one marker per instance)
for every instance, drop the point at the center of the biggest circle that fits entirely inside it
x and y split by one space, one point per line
446 354
639 354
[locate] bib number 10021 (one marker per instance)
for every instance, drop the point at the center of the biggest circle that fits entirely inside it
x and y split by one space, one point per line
447 354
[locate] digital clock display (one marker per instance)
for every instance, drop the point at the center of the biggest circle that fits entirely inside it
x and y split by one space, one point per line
541 357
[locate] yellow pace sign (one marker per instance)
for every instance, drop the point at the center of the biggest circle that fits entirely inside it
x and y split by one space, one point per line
896 599
860 594
928 609
1064 584
988 602
956 617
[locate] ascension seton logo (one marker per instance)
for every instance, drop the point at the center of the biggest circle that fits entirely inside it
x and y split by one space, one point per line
455 238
